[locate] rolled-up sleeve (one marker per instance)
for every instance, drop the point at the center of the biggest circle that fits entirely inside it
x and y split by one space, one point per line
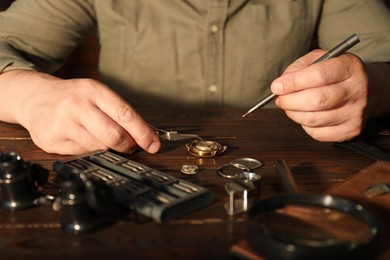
370 20
40 35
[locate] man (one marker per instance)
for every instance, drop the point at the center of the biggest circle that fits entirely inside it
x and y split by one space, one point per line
193 53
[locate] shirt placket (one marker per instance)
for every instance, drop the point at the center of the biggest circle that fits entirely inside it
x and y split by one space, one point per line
217 14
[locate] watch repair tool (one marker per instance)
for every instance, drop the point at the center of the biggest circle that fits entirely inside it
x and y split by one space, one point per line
82 202
237 205
175 135
138 187
205 148
19 182
308 226
336 51
246 182
198 147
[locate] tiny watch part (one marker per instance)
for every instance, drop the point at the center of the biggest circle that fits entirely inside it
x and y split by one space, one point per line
231 171
248 163
241 168
190 169
205 148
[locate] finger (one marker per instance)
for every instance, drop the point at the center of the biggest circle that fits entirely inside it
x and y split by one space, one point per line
123 114
328 118
315 99
319 74
104 130
337 133
304 61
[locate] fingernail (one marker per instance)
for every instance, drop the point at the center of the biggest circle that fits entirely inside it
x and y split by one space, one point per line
277 87
154 147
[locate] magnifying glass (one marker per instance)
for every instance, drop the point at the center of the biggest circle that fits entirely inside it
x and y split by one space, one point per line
308 226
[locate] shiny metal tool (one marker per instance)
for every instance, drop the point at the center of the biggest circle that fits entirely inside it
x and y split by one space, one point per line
197 147
336 51
237 205
175 135
377 189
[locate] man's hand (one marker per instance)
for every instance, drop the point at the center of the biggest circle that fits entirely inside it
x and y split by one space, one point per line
74 116
328 98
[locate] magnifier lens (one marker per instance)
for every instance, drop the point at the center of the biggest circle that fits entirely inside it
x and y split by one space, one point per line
302 226
313 226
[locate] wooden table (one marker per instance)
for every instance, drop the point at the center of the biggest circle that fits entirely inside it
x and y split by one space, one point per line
208 233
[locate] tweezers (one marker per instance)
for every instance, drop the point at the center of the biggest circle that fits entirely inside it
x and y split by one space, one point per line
174 135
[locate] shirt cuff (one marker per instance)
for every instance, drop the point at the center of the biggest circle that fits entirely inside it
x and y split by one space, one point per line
14 65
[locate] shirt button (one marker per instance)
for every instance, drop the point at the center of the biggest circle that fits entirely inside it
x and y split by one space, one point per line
214 28
213 88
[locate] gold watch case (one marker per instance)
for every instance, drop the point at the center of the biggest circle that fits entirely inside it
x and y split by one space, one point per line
205 148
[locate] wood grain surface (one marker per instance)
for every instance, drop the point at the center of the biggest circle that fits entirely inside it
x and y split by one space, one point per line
207 233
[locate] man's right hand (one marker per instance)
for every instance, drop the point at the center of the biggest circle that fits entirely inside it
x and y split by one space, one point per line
72 116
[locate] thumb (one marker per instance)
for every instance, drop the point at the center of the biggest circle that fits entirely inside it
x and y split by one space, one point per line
286 83
304 61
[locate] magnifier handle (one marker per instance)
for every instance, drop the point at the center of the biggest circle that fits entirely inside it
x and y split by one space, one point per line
286 176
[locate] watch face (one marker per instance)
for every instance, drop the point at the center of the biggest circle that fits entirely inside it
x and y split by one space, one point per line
205 148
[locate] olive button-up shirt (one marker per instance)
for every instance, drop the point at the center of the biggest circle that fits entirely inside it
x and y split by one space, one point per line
194 53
